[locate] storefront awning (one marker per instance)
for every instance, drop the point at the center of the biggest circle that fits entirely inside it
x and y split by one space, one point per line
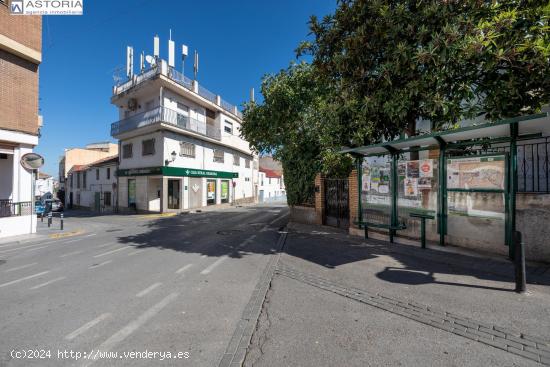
527 126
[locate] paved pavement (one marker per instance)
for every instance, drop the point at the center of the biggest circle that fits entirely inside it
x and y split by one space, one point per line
340 300
126 283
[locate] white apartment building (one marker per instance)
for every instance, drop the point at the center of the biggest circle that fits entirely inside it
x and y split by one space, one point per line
180 145
271 186
93 186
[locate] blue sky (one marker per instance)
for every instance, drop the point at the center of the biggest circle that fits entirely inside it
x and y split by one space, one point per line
238 42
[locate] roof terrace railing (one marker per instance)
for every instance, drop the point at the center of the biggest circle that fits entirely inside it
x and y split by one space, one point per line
166 116
179 78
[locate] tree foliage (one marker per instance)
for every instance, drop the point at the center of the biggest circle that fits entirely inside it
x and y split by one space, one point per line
380 66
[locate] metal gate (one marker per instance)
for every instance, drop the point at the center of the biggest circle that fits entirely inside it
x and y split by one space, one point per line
336 202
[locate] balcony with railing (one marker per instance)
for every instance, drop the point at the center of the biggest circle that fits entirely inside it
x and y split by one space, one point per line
11 209
166 116
180 79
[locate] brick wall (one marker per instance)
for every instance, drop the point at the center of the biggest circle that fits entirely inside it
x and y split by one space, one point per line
18 93
26 30
353 198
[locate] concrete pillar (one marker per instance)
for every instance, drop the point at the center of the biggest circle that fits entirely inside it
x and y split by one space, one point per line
218 100
195 86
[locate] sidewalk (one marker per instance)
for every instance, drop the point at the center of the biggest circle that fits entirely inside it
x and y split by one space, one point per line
341 300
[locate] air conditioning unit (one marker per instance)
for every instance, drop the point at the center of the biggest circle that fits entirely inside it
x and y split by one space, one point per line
132 104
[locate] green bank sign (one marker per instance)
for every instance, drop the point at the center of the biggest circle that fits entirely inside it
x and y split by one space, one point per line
175 171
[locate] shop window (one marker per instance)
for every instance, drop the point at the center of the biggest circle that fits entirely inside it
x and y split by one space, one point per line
148 147
127 150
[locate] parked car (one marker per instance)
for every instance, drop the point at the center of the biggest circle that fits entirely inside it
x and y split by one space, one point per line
39 208
53 205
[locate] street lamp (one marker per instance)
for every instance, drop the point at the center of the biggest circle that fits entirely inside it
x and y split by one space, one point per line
173 155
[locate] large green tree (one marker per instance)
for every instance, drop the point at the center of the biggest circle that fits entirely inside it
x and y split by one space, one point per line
393 63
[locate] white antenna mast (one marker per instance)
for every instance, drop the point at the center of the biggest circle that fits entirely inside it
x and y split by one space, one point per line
252 95
129 62
184 52
196 64
156 47
171 51
142 62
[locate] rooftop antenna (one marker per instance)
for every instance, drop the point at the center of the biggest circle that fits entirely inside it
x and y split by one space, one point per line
116 74
184 52
252 95
142 62
171 51
156 47
129 62
196 64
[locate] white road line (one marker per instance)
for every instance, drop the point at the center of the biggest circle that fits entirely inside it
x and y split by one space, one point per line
135 252
278 218
19 267
106 244
36 248
46 283
113 251
71 253
22 279
148 289
123 333
209 269
87 326
100 264
181 270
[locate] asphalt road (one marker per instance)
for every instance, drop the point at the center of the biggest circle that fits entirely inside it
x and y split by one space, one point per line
134 284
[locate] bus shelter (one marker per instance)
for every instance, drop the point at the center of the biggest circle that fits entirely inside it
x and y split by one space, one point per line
464 178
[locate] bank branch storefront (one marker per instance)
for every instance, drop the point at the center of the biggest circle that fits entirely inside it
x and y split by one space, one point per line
462 183
173 189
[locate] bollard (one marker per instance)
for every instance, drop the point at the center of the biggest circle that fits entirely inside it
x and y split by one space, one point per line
61 221
49 219
42 217
519 263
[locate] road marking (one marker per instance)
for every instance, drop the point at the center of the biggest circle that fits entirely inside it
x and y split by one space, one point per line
48 282
75 240
113 251
22 279
148 289
19 267
209 269
100 264
123 333
107 244
36 248
278 218
87 326
181 270
135 252
66 234
203 255
71 253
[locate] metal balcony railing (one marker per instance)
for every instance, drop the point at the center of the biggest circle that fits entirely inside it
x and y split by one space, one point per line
166 116
11 209
179 78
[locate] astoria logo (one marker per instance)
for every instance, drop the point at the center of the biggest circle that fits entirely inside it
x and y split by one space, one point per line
47 7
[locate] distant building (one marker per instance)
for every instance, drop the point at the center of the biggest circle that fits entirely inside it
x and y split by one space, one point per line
20 57
44 186
180 144
83 156
93 186
271 181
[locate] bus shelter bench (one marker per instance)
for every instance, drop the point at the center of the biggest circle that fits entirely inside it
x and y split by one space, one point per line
422 217
391 229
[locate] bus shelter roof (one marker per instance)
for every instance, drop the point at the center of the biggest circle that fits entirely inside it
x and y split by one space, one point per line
530 125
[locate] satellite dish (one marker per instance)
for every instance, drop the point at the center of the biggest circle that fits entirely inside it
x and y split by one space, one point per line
32 161
150 60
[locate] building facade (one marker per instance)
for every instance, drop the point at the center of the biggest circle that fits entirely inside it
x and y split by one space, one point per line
271 186
180 145
44 186
93 186
20 57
